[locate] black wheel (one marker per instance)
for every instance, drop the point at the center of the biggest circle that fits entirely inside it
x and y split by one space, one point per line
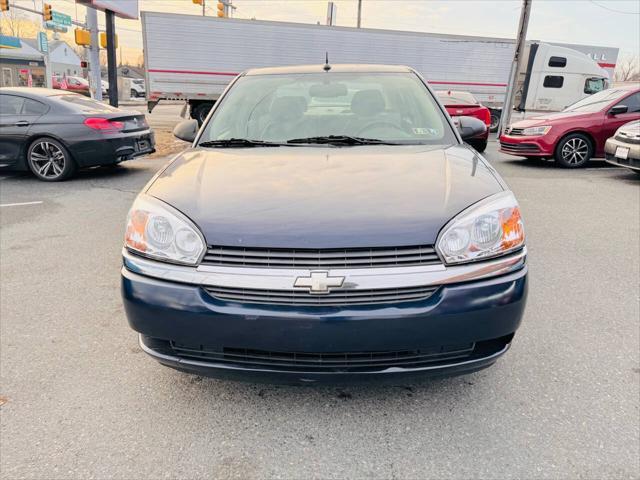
134 94
495 121
49 160
200 112
479 145
573 151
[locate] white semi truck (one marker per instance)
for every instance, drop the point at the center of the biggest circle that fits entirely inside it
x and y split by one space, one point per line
193 58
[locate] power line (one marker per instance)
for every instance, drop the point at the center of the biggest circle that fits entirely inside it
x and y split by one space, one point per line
614 10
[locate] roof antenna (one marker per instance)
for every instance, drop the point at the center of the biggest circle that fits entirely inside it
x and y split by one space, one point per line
326 67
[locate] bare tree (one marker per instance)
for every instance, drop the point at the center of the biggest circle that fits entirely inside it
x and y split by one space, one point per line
627 69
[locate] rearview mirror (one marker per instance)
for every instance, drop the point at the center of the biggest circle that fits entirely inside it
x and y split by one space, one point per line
618 109
470 127
328 90
186 130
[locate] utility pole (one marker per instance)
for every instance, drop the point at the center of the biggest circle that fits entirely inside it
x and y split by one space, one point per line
203 6
111 57
516 66
359 12
94 54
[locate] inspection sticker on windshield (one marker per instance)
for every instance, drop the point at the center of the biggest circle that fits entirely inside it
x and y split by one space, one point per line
424 131
622 152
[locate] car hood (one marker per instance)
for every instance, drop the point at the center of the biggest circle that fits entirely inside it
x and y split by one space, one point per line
551 119
324 197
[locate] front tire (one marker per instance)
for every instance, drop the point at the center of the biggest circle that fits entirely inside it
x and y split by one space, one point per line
573 151
200 112
134 94
50 161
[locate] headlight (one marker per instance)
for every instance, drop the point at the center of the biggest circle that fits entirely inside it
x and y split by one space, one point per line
490 228
534 131
156 230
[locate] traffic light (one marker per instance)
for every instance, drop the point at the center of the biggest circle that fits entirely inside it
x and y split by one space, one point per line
4 5
84 64
103 40
47 13
221 8
83 37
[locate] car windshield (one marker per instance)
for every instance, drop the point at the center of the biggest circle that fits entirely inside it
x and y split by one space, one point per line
322 107
597 101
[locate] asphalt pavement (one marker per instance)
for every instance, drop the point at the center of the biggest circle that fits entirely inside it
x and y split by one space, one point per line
80 400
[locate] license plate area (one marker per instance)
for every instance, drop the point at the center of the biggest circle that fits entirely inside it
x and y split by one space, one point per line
622 153
143 144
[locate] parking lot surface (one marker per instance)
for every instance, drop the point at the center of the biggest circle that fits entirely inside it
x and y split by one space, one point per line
80 400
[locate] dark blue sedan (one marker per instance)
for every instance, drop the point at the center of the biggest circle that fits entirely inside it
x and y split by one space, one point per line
327 225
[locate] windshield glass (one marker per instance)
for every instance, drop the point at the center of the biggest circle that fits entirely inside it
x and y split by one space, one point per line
597 101
393 107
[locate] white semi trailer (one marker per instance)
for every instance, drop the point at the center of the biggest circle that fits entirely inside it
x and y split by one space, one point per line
193 58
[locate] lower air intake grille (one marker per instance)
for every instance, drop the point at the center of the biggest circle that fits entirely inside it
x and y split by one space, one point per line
334 298
327 362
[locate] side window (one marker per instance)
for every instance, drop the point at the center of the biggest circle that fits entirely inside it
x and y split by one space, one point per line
553 81
557 62
10 105
32 107
632 103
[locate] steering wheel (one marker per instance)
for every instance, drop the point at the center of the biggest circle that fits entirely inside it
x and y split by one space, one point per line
371 125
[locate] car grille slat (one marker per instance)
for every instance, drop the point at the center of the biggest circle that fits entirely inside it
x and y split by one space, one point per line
329 258
338 361
334 298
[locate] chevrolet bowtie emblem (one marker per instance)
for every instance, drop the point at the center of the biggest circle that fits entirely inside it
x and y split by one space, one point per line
319 282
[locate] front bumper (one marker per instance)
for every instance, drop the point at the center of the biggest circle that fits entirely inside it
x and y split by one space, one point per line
633 157
522 146
463 327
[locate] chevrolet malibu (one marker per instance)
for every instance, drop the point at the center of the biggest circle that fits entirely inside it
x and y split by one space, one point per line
328 225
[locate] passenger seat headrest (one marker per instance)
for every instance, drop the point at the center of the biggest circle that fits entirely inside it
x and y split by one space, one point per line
288 108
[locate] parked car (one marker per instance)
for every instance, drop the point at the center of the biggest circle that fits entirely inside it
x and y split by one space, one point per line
328 224
105 87
465 104
72 84
137 88
577 134
52 133
623 149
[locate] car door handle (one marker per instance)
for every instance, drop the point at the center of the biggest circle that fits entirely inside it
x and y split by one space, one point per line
22 123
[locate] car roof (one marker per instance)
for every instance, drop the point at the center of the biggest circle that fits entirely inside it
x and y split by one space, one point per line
335 68
35 91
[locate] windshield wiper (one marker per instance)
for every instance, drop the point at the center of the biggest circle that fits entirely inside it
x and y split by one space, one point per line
341 140
237 142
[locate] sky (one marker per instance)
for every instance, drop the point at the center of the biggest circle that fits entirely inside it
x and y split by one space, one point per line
614 23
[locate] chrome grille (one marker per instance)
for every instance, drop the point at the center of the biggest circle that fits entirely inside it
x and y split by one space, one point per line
514 132
321 258
339 297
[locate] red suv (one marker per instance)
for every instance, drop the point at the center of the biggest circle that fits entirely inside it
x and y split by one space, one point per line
578 133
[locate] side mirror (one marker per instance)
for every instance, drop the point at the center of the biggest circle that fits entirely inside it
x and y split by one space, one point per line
618 109
186 130
470 127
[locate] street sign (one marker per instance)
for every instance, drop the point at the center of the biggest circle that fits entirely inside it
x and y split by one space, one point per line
43 42
122 9
61 19
55 27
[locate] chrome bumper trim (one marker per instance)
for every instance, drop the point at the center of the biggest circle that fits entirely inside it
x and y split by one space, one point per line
355 278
